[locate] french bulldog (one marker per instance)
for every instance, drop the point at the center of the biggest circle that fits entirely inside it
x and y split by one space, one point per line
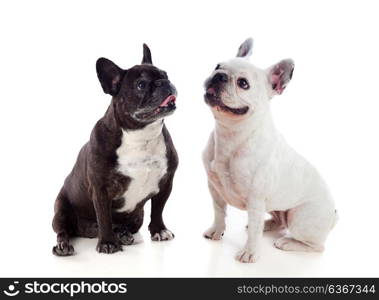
250 166
129 159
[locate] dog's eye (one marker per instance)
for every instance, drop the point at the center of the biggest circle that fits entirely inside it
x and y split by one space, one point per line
242 83
141 85
218 67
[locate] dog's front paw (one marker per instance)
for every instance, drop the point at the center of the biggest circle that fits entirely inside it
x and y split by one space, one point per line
214 233
124 237
108 247
247 256
63 249
163 235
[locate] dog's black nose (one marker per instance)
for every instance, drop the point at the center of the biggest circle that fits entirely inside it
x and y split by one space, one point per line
220 77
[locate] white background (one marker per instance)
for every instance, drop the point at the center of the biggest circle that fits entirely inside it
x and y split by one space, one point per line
50 99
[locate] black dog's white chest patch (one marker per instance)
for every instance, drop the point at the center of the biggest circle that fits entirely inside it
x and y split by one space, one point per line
142 157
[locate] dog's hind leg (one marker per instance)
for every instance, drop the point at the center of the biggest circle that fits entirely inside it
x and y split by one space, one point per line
277 222
309 225
90 229
63 226
86 228
123 234
290 244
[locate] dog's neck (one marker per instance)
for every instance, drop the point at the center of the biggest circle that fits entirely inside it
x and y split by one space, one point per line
146 135
231 133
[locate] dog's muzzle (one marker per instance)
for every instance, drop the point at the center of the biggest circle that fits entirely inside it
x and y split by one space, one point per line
212 95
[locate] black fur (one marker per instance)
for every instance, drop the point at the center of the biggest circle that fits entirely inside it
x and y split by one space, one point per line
86 205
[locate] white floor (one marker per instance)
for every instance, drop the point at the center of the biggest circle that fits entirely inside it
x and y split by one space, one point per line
190 255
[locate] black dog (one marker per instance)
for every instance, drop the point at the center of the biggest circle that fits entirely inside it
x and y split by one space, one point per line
128 160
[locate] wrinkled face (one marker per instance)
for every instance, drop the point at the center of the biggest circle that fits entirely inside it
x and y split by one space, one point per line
236 89
146 94
141 94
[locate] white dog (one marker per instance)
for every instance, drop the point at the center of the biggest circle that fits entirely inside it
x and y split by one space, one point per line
250 166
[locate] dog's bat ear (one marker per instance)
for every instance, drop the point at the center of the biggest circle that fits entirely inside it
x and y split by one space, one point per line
146 55
280 74
246 48
109 75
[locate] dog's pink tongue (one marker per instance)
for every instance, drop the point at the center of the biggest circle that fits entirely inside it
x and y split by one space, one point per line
167 100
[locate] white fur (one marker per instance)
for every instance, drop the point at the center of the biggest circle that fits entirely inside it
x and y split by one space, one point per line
142 157
250 166
163 235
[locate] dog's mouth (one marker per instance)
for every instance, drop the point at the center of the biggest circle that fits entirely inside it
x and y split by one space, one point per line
213 99
168 104
166 107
